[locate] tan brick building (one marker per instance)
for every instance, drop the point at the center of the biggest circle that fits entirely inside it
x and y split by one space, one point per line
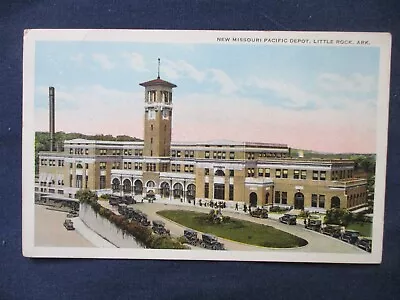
253 173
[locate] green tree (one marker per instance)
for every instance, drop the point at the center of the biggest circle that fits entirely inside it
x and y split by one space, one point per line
86 196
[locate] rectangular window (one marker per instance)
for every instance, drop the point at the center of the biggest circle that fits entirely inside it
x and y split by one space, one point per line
206 171
86 181
321 201
260 172
102 182
284 173
206 190
70 165
129 165
186 153
70 180
231 192
296 174
231 173
178 168
86 166
314 200
214 154
315 175
277 197
178 153
267 172
71 151
186 168
86 151
231 155
191 153
78 181
191 168
140 152
284 197
219 154
322 175
278 173
125 165
173 168
223 155
207 154
303 174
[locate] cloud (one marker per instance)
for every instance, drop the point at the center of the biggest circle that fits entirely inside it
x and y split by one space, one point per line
93 109
290 95
180 68
226 83
136 61
356 82
103 61
77 57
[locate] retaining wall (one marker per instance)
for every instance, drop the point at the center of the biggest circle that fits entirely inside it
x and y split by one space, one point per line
105 228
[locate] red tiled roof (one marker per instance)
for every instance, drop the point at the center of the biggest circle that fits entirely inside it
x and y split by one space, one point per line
158 81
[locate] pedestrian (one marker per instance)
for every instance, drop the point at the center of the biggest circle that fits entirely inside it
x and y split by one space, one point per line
236 206
194 201
245 208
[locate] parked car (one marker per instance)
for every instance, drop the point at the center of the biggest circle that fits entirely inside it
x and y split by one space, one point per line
365 243
128 200
314 224
73 214
68 224
191 237
288 219
159 228
114 200
122 208
211 242
259 213
332 230
350 236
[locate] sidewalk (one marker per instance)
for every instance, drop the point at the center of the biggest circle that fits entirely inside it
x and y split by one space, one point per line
90 235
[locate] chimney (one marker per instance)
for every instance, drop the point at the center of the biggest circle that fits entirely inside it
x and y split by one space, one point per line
52 116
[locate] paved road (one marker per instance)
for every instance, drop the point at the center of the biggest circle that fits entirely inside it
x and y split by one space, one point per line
50 232
317 243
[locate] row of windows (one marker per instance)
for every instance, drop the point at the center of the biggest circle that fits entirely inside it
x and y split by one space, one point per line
253 155
137 152
280 197
318 201
51 162
79 151
53 182
186 153
284 173
219 172
336 175
166 97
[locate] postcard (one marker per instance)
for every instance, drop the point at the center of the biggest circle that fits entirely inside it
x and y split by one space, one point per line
205 145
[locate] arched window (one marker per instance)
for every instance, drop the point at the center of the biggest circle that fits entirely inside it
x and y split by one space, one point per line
219 173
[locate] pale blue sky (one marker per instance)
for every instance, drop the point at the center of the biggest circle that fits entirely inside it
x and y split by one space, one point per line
323 80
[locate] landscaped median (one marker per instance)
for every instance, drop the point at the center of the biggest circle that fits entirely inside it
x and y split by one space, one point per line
142 234
235 229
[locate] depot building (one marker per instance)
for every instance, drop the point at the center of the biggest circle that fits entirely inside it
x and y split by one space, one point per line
253 173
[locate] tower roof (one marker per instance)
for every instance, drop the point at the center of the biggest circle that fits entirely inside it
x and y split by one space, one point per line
158 81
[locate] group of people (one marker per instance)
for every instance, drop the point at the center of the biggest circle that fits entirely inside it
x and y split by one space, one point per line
216 205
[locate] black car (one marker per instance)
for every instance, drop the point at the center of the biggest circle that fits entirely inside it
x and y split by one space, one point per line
68 224
288 219
350 236
332 230
313 224
365 244
159 228
191 237
259 213
211 242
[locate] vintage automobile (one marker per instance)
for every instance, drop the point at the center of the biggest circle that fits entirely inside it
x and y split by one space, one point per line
365 243
211 242
128 200
332 230
159 228
191 237
313 224
122 208
259 213
73 214
143 219
68 224
350 236
150 196
114 200
288 219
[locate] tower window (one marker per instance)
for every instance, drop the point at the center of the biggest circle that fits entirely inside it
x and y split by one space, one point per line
151 127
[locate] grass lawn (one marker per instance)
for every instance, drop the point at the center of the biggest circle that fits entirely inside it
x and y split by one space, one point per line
236 230
365 228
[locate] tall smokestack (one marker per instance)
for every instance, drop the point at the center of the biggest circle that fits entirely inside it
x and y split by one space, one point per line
52 116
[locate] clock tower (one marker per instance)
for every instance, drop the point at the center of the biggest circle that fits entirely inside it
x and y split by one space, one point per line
157 124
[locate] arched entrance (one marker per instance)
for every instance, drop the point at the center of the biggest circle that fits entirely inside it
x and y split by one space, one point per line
253 199
138 187
298 201
335 202
178 190
191 191
115 185
164 190
150 185
127 186
219 173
